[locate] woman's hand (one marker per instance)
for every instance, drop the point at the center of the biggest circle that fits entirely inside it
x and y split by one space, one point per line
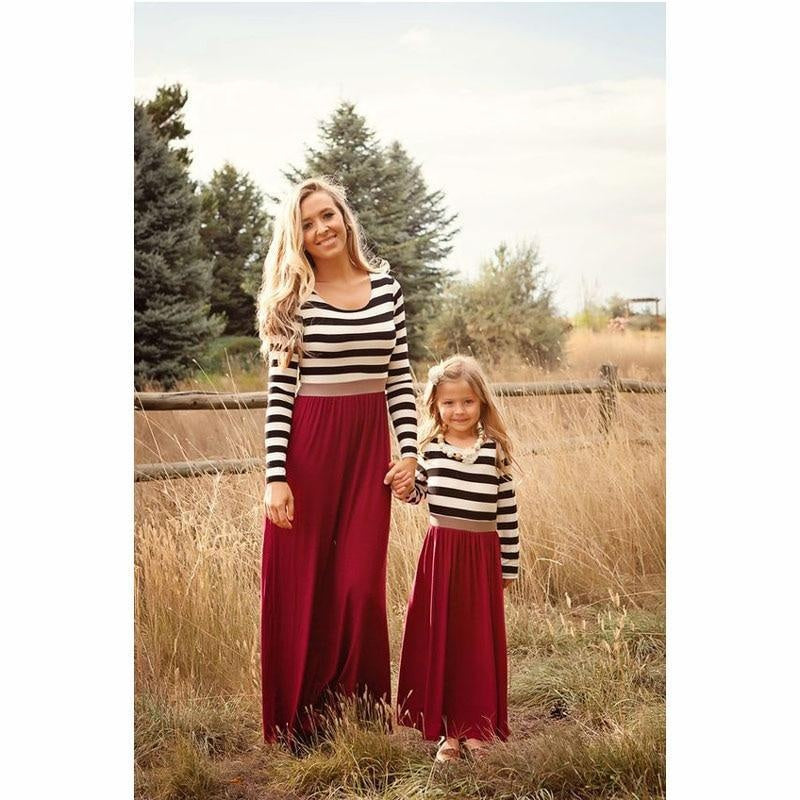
279 504
401 477
507 582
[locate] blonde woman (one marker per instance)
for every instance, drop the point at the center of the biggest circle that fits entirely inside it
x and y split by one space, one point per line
453 674
332 325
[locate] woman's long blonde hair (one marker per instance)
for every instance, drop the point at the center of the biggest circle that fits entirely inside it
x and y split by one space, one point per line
288 277
452 369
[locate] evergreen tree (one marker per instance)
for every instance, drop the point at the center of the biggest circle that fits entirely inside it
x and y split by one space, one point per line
403 221
415 234
352 156
233 228
166 113
254 271
171 281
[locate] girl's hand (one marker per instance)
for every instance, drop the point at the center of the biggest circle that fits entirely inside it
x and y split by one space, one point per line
401 494
507 582
279 504
402 485
401 477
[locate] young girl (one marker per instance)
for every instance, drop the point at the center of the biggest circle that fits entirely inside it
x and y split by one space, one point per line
453 664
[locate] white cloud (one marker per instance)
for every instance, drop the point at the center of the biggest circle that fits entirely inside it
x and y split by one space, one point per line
581 168
415 37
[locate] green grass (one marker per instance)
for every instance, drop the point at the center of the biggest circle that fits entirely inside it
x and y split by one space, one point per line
586 709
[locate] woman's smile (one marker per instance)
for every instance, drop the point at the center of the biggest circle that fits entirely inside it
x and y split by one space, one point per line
323 226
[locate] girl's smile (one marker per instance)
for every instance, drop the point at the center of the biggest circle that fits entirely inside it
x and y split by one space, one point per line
459 408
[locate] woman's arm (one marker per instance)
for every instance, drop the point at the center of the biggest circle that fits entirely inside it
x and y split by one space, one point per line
281 388
400 385
508 528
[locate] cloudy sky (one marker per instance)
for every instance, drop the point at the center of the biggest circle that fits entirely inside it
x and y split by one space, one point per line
539 121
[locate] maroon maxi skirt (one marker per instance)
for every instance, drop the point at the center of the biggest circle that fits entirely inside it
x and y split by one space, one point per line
323 582
453 673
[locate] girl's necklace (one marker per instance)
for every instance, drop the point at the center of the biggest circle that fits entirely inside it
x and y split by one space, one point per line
467 455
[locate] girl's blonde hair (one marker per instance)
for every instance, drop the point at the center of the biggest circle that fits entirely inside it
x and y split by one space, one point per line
288 277
467 368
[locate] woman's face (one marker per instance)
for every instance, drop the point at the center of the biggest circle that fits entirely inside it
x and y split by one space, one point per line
324 232
458 405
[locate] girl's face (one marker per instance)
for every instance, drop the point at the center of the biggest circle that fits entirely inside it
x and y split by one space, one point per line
458 405
324 232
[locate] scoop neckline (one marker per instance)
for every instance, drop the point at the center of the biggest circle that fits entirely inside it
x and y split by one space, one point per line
349 310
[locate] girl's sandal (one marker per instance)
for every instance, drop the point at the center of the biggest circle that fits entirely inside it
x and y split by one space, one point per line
447 752
475 751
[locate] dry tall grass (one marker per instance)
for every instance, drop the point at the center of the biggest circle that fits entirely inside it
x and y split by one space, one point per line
585 626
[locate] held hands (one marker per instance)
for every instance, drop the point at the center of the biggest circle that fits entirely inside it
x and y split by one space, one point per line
279 504
401 477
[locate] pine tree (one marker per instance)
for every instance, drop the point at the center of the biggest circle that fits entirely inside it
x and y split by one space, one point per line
403 221
352 156
416 233
254 271
172 324
166 113
233 229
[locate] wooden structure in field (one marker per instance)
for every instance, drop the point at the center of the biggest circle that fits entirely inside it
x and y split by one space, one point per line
630 300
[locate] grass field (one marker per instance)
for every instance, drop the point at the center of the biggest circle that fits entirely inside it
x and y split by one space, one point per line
585 622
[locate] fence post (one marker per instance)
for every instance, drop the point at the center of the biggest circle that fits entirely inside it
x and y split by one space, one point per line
608 396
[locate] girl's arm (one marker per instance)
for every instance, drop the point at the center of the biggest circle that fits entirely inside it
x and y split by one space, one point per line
508 527
281 388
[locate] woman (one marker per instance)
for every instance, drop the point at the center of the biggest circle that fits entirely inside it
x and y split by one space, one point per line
333 332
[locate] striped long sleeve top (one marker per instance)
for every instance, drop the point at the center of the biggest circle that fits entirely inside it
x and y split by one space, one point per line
475 497
345 346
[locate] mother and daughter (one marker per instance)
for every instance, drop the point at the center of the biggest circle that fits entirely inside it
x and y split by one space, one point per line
332 324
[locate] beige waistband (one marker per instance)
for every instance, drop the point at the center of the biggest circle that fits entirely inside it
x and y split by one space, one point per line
480 525
367 386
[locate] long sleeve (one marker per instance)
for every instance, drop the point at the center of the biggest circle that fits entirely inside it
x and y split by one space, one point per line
508 527
281 388
400 385
420 490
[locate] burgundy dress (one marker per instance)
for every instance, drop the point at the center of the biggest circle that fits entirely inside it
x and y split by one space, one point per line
323 586
453 672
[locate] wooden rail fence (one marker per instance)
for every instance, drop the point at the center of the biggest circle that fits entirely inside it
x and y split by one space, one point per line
607 388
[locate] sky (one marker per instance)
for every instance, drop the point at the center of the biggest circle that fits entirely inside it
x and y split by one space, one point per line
540 122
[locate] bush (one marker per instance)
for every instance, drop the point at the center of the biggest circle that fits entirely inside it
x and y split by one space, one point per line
508 310
593 317
616 306
645 322
231 352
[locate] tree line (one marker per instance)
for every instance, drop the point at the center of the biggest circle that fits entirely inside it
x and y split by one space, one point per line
199 249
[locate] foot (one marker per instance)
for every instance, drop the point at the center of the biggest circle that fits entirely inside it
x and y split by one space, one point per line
476 748
449 750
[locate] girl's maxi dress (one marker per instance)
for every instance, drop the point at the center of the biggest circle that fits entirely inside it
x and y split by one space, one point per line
453 673
323 584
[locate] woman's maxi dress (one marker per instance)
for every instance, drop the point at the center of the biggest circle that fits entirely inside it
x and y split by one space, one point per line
323 598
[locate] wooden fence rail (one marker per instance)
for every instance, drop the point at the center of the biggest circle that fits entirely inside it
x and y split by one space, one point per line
607 388
222 401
